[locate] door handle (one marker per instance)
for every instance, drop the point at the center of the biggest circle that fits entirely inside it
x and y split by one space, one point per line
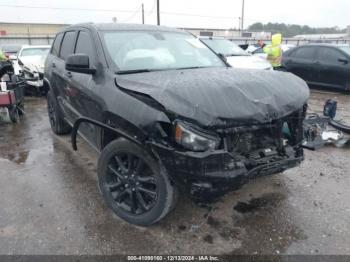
53 65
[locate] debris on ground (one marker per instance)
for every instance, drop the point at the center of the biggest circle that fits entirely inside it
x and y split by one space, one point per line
324 130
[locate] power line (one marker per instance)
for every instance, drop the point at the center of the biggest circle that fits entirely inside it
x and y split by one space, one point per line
197 15
132 15
68 8
152 9
126 11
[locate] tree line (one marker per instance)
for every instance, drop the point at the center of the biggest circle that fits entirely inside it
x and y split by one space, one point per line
288 30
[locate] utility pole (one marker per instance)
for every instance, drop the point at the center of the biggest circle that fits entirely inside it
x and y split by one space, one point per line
242 27
143 14
239 26
158 13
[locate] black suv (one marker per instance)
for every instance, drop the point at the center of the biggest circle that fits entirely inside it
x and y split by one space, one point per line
169 115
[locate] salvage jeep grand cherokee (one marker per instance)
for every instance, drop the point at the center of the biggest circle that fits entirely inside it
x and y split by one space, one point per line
168 114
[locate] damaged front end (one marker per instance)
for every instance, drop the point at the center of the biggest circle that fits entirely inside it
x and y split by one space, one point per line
33 75
229 157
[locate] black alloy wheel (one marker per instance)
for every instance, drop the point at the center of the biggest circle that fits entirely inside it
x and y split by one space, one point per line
131 183
134 184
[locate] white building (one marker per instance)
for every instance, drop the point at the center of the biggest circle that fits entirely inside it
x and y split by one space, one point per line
227 33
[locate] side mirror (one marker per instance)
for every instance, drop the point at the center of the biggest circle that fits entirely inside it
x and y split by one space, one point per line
343 60
79 63
20 62
13 57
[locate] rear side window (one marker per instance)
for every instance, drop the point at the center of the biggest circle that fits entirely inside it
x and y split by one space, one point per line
56 44
330 55
67 45
304 52
84 44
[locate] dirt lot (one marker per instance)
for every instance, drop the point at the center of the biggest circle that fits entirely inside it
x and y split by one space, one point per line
50 203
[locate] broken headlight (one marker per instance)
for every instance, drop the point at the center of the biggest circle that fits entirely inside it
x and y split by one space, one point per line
195 140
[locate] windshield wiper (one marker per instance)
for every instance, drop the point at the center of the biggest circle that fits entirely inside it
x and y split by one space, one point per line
191 67
136 71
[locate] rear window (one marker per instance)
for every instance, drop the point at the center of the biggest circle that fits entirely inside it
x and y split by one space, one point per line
56 44
67 45
43 51
304 52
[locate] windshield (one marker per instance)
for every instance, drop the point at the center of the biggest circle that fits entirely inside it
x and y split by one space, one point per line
225 47
35 51
346 49
154 50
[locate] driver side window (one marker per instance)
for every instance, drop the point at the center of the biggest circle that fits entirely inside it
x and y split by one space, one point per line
329 55
84 45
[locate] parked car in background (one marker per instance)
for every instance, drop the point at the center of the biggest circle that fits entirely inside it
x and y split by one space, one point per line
256 50
234 55
323 65
168 114
10 51
30 64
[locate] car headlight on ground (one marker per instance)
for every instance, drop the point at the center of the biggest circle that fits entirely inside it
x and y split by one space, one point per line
195 140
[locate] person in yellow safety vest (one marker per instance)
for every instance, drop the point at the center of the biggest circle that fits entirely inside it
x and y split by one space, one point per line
274 51
2 56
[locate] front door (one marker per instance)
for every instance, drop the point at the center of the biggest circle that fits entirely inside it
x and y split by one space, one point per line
333 73
83 90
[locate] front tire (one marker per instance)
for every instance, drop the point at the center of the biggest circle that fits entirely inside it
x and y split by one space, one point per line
133 183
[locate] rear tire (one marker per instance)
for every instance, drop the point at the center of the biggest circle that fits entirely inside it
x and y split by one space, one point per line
58 125
13 114
20 108
133 183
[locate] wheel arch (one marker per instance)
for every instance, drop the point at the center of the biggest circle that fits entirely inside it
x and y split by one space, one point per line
108 133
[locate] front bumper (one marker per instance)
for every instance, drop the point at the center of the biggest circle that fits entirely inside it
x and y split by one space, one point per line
209 175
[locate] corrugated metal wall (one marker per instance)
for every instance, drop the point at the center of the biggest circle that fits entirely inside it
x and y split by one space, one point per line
12 29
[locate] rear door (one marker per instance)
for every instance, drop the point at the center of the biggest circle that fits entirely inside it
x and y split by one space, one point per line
302 62
62 78
51 61
333 73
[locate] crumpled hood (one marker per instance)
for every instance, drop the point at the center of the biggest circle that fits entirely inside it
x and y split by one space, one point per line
34 63
248 62
220 97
